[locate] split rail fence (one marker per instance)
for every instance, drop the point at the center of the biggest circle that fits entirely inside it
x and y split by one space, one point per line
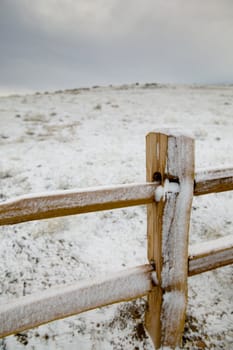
168 192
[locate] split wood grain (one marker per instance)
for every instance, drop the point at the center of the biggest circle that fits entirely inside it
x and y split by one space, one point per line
171 155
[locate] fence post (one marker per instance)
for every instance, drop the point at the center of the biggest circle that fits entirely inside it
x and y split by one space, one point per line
170 160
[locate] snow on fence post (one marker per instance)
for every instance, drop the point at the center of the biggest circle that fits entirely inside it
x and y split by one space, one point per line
170 160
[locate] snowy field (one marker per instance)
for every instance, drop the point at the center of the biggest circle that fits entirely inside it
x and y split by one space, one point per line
91 137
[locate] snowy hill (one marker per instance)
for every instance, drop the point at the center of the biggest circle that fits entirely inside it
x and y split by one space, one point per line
89 137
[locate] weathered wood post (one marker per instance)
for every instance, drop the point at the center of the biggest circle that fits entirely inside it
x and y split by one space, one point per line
170 160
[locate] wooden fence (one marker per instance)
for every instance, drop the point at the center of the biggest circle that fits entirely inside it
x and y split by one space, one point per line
168 192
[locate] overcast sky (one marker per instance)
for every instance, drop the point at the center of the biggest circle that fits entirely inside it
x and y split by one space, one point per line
53 44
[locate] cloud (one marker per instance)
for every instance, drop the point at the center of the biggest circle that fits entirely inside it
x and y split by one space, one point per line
63 42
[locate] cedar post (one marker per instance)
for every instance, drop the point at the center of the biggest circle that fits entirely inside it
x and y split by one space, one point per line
170 160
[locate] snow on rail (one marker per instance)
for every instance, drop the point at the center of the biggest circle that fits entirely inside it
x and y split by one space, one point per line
210 255
56 303
71 202
213 180
48 205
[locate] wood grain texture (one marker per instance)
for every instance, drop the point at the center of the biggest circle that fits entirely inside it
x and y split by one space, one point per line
56 303
36 207
213 180
172 155
156 150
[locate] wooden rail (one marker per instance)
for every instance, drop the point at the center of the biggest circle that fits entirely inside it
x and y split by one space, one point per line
168 194
210 255
63 203
37 207
26 312
53 304
213 180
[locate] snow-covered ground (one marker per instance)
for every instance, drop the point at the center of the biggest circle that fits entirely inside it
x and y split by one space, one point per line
91 137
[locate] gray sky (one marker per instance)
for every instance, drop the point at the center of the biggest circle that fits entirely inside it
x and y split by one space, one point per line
53 44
